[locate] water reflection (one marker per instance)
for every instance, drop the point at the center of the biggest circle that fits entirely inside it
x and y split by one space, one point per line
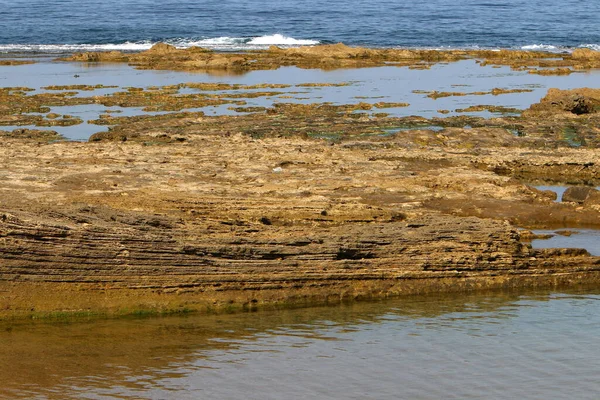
495 345
388 84
588 239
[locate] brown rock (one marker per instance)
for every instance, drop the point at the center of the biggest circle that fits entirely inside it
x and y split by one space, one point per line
586 54
579 194
161 48
593 199
547 194
576 101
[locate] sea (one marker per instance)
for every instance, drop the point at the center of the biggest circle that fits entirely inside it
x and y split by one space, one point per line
71 25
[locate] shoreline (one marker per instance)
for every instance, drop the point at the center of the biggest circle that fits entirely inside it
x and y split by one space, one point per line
290 203
336 56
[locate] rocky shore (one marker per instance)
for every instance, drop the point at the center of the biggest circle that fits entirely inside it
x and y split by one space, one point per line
291 204
164 56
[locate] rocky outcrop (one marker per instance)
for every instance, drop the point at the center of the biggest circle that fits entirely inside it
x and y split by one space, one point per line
580 194
119 227
164 56
586 54
15 62
576 101
159 267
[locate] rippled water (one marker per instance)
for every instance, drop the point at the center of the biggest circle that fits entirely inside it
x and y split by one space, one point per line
494 346
134 24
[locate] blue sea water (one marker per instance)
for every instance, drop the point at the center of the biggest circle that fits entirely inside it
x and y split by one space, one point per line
67 25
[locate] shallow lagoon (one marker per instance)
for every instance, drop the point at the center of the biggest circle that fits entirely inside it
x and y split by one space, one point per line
371 85
491 345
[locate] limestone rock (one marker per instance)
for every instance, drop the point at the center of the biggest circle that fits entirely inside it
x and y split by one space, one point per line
585 54
576 101
593 198
579 194
161 48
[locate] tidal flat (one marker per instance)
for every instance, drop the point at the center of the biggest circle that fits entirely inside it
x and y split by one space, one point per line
173 181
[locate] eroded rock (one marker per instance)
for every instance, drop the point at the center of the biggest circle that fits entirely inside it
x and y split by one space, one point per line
576 101
579 194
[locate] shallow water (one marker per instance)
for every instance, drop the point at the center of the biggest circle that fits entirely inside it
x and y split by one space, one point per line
588 239
558 189
387 84
493 345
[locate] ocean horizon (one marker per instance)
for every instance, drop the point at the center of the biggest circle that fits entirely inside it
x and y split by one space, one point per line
136 25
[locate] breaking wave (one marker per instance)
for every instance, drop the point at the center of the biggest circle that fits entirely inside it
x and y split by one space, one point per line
591 46
278 39
63 48
227 43
224 43
557 49
541 47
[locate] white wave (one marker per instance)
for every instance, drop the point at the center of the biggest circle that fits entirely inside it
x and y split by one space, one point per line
591 46
278 39
225 43
218 41
559 49
242 43
60 48
540 47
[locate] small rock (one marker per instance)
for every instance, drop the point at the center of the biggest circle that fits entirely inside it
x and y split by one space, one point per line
548 194
266 221
578 194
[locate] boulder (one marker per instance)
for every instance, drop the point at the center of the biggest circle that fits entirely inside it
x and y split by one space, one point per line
579 194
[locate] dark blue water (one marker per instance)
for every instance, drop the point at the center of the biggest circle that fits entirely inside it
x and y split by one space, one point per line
25 25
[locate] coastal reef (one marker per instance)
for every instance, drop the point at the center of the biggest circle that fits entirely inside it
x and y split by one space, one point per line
164 56
289 205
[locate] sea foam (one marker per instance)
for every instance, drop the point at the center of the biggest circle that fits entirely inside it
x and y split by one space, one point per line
558 49
278 39
595 47
224 43
540 47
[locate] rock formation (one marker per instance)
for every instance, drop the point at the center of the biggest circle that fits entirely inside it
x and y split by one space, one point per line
231 222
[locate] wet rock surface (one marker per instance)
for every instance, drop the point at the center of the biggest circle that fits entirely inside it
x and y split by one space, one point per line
580 194
285 204
164 56
220 221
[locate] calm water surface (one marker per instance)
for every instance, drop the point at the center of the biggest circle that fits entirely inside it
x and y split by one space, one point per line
493 346
388 84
